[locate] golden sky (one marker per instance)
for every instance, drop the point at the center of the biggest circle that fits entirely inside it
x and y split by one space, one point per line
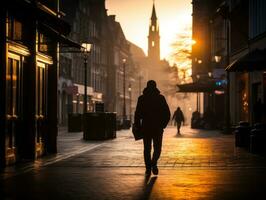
134 15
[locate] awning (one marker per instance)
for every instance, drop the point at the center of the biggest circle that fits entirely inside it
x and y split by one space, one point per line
31 10
63 40
48 22
206 87
253 61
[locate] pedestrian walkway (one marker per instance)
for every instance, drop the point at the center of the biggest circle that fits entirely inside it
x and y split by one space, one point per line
69 144
196 165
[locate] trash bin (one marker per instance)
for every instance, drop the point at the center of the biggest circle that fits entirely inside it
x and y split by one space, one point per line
242 135
99 107
258 139
74 122
99 126
94 126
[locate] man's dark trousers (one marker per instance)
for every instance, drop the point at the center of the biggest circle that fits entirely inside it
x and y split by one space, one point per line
157 147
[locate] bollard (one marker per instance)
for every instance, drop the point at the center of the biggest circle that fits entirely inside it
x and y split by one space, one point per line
99 126
242 135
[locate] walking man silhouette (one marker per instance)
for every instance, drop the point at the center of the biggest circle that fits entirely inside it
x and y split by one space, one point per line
152 115
179 118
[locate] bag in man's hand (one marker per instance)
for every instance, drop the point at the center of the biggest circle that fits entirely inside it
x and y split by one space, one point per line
137 132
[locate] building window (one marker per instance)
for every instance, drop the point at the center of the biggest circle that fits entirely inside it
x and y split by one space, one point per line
40 89
14 29
42 43
65 68
152 43
257 11
153 28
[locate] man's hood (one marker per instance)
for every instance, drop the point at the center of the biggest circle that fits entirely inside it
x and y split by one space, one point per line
151 91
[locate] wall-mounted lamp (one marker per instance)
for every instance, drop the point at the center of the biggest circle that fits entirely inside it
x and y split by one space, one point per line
217 59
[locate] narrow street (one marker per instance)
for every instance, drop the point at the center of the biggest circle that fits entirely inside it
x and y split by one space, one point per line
197 165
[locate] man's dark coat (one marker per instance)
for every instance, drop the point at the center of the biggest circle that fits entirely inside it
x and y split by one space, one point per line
152 112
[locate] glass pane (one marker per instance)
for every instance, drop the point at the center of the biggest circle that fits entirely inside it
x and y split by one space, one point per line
41 91
37 91
14 86
9 29
9 86
17 30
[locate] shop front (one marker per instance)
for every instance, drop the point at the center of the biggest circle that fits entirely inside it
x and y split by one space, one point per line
249 75
28 80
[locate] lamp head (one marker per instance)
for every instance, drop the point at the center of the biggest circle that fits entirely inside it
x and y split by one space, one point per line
217 58
86 47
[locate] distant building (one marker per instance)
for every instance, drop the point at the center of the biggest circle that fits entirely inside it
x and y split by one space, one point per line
201 34
153 66
247 60
118 71
209 78
140 75
236 42
88 19
91 24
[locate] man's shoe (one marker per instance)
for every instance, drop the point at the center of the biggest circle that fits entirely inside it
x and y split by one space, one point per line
155 170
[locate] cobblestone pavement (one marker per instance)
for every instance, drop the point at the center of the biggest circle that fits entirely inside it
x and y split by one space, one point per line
196 165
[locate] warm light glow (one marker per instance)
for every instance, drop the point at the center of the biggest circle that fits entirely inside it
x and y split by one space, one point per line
245 102
124 60
181 54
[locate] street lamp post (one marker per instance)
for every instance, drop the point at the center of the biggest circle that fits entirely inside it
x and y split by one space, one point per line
198 95
130 99
124 92
86 49
140 77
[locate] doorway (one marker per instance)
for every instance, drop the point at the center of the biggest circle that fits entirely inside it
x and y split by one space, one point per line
14 78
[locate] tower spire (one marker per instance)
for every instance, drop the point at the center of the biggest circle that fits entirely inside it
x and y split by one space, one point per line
153 15
154 37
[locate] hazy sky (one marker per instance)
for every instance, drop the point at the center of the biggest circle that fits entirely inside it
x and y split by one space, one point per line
134 16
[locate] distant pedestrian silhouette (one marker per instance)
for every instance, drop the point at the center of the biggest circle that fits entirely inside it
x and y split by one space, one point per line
152 115
179 118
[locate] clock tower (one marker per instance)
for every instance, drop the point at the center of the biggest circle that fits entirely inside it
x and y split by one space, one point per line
154 38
